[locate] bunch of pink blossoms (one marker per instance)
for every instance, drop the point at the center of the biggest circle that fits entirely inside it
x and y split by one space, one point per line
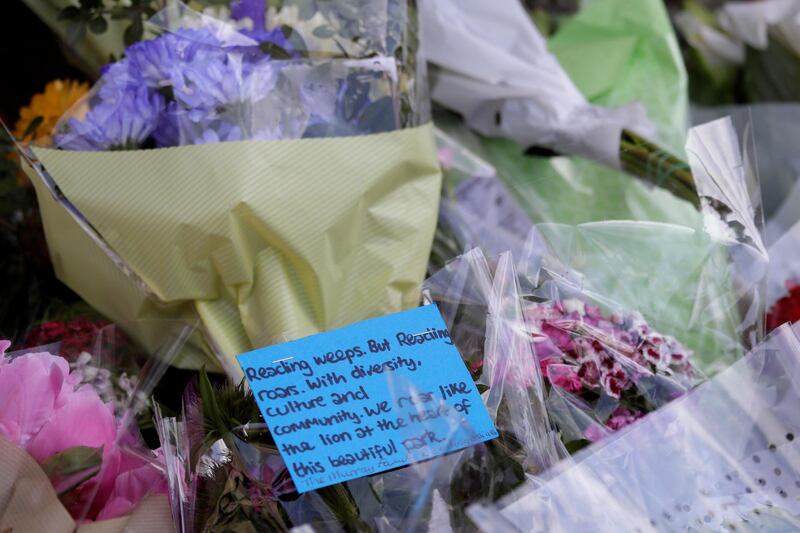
588 354
45 410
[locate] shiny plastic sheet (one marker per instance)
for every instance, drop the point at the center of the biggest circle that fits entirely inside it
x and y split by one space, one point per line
701 281
724 457
505 82
775 128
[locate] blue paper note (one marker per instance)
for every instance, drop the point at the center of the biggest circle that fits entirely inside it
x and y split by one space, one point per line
371 397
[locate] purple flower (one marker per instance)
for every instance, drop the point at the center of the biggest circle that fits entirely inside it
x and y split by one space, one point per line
622 417
209 85
124 118
255 10
158 61
222 132
167 131
226 95
191 86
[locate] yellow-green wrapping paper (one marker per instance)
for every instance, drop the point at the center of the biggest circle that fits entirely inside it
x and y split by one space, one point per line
264 241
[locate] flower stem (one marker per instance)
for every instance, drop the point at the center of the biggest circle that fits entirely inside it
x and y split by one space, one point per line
650 163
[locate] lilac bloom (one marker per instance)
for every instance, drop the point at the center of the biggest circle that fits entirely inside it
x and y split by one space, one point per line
167 131
255 10
124 119
215 86
156 61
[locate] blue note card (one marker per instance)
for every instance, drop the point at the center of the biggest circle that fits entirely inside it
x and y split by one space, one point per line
367 398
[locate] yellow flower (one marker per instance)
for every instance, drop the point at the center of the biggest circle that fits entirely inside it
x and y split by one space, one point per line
57 98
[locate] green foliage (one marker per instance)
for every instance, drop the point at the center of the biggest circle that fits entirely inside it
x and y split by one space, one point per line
73 466
225 408
772 75
93 16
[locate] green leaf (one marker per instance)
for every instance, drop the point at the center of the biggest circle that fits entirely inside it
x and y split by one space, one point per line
30 131
295 39
772 75
69 13
348 10
307 10
324 32
134 32
274 51
73 460
481 388
98 25
576 445
378 117
210 407
119 13
702 13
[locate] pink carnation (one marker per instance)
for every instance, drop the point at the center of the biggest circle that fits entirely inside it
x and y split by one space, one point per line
622 417
562 376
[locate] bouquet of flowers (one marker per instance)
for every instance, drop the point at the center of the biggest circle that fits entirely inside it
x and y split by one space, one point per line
76 417
616 367
709 461
67 427
593 371
225 469
240 117
700 281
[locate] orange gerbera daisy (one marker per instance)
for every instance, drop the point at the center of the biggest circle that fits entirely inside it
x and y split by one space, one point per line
57 98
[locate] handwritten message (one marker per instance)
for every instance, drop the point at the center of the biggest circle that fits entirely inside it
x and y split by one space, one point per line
367 398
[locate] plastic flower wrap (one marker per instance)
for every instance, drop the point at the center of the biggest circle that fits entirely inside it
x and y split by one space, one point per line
613 366
722 458
507 83
593 371
255 168
76 416
700 281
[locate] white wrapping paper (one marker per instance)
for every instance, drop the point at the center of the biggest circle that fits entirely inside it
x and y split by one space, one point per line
497 72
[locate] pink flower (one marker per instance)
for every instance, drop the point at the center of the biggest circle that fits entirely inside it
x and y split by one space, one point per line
559 336
32 388
589 374
594 432
622 417
562 376
125 481
45 412
613 379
